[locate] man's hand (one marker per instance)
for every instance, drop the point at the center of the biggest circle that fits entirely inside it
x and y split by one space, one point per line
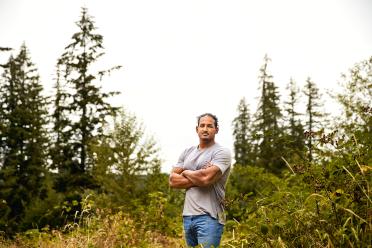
178 181
204 177
207 165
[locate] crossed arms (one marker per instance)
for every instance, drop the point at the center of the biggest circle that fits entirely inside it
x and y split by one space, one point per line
184 179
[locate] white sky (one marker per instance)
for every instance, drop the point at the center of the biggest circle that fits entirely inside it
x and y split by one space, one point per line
184 58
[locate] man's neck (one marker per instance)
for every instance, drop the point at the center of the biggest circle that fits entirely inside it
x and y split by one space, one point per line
206 144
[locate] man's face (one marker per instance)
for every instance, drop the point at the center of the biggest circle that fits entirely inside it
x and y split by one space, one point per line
206 129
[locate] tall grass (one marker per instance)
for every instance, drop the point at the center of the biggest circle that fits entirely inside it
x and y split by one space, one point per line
96 228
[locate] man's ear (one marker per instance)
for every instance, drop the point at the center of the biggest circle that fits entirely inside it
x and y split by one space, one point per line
196 129
217 129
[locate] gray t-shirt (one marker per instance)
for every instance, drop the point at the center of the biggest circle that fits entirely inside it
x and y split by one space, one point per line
209 199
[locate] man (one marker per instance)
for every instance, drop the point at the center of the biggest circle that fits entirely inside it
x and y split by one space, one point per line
203 171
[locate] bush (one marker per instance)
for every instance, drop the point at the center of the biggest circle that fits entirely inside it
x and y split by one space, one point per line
323 204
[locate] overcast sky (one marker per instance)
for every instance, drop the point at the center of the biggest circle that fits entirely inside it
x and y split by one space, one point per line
184 58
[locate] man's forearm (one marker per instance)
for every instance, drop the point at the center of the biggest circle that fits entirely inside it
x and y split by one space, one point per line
203 177
178 181
197 177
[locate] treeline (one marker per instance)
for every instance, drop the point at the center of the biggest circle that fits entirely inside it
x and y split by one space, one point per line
55 150
276 125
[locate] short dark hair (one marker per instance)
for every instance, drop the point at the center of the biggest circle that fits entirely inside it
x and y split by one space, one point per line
211 115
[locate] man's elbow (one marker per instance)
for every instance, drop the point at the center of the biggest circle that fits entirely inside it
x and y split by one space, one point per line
176 185
171 181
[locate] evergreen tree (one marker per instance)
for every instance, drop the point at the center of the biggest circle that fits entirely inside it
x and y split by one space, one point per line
314 115
23 113
356 101
295 139
61 151
2 107
81 108
268 133
244 148
126 161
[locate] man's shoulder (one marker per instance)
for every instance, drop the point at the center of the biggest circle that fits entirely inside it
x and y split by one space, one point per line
222 158
189 150
221 149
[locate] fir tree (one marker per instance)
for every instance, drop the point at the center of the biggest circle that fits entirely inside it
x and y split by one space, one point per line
61 151
356 101
81 108
314 115
242 131
126 161
295 139
23 135
267 130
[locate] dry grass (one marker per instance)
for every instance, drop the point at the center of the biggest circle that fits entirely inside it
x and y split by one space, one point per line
110 231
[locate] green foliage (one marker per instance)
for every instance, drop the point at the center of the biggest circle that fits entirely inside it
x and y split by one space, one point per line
314 116
357 101
23 140
245 185
318 204
128 168
159 213
322 203
267 132
61 150
244 147
127 165
294 139
81 109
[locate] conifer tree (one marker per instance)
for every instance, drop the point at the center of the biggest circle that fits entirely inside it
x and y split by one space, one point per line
356 101
23 135
314 115
2 106
267 130
295 139
61 151
81 107
126 161
244 148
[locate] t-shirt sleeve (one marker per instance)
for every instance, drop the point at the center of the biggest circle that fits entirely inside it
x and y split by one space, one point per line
181 159
222 159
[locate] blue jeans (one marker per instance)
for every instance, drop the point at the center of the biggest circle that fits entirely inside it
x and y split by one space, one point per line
202 230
